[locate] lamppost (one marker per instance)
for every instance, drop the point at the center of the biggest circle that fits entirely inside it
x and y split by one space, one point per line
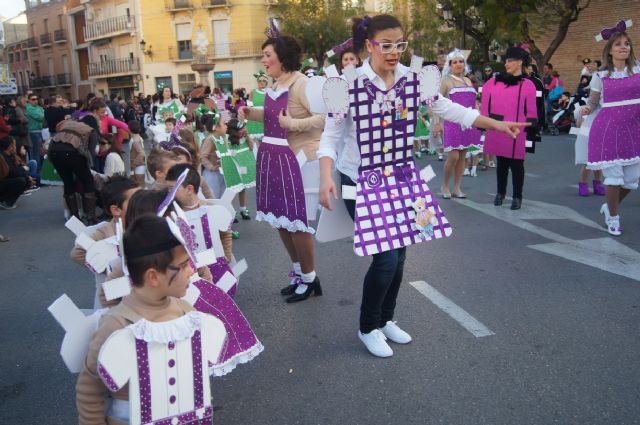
201 63
454 20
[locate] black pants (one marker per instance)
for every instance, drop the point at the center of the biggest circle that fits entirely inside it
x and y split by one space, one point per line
382 281
11 188
72 167
517 175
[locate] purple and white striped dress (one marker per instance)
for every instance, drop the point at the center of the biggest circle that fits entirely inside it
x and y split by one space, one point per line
279 185
394 206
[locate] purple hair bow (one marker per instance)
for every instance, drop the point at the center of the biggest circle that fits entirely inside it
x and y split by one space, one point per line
607 33
360 34
274 28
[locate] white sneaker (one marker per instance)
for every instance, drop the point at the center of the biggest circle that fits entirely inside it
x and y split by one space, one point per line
613 226
395 334
466 172
376 343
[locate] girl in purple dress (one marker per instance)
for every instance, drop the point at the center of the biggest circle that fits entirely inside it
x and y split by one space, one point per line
457 139
370 144
285 156
614 137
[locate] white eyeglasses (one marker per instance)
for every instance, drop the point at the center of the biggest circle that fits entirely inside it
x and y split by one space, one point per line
388 47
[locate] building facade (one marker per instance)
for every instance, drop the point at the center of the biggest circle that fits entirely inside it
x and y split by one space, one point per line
233 31
49 50
15 54
580 42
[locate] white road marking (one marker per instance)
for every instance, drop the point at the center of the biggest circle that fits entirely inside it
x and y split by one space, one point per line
457 313
535 176
603 253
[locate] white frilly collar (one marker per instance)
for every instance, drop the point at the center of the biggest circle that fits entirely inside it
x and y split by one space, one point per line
170 331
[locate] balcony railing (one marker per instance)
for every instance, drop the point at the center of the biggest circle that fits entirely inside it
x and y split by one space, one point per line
60 36
230 50
214 3
44 81
114 67
173 5
32 43
63 79
176 54
109 27
45 40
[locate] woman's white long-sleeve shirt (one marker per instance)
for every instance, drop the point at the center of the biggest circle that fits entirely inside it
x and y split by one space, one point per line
338 140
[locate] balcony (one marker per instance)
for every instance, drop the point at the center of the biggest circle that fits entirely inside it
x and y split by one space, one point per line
60 36
208 4
63 79
45 40
42 82
178 55
109 27
114 67
238 49
176 5
32 43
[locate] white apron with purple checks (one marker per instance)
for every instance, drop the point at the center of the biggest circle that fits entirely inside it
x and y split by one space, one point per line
394 206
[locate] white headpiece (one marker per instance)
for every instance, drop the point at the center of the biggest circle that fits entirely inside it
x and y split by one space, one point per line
455 53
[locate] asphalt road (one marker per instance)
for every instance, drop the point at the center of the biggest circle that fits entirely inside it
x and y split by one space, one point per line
565 334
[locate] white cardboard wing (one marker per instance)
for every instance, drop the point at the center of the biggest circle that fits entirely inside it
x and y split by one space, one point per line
79 330
101 253
429 78
335 93
313 92
335 224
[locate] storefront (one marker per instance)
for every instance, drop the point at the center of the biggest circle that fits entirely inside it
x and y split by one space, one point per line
223 80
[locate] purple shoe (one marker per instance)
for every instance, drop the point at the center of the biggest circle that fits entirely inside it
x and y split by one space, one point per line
583 189
598 188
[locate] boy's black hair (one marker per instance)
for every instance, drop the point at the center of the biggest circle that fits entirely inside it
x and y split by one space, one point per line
144 202
6 142
148 244
193 178
134 126
114 191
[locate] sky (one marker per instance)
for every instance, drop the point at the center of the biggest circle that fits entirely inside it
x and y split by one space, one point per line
12 8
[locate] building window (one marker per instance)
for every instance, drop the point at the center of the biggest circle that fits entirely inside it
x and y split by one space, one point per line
163 81
10 57
186 83
184 49
24 55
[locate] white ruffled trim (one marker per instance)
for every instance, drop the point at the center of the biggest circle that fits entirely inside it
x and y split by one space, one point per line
240 358
461 147
284 223
601 165
237 188
165 332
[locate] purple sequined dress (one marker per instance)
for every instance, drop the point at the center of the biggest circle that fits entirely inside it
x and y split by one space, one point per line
394 206
614 138
453 136
279 186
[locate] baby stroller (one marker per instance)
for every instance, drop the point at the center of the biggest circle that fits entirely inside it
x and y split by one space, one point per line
562 116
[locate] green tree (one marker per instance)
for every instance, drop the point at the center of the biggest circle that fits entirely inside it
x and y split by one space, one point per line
319 25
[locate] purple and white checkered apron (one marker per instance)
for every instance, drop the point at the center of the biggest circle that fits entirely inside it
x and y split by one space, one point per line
391 195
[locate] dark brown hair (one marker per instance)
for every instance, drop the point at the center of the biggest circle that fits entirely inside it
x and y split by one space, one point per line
367 28
288 50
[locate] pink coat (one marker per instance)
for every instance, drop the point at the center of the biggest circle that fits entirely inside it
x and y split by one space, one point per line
107 122
508 103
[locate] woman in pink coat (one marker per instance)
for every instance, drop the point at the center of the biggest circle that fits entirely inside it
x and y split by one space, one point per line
105 128
509 97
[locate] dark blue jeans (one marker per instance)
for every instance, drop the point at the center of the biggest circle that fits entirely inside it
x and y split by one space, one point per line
382 281
36 146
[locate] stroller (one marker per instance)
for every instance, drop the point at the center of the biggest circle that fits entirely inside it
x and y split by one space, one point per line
562 115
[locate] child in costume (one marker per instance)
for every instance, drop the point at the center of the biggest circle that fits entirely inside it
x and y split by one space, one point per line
216 128
256 100
153 341
115 196
614 137
510 96
369 137
158 163
421 138
240 147
286 162
138 157
210 220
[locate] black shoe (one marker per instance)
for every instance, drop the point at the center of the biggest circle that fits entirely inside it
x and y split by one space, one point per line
312 287
245 214
289 289
498 201
516 204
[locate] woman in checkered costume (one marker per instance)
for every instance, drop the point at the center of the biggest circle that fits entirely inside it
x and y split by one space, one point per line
369 141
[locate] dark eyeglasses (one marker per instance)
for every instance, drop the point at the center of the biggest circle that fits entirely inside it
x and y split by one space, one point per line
33 98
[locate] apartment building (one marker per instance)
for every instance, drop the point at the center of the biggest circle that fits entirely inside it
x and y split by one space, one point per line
48 49
15 54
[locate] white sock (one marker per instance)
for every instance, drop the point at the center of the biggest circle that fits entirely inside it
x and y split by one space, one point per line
297 269
306 279
473 169
243 208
